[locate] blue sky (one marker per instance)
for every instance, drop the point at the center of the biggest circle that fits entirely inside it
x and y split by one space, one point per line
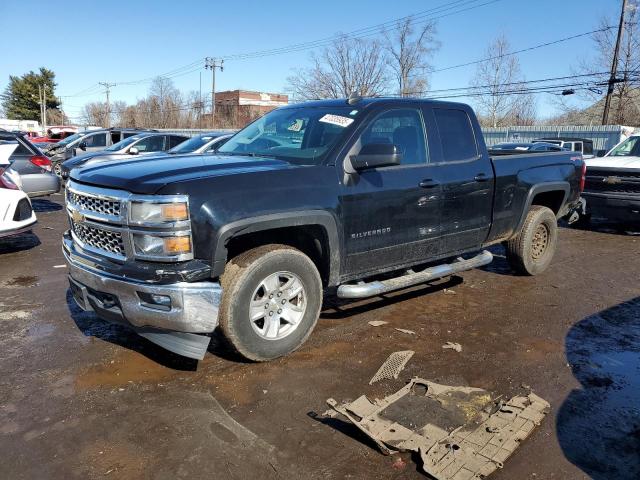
119 41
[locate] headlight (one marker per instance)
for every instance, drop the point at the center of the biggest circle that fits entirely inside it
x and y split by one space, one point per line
159 213
162 246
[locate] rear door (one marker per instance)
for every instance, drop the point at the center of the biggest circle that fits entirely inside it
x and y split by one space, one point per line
391 214
466 177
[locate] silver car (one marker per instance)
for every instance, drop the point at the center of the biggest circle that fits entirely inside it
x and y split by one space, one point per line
129 148
32 165
206 143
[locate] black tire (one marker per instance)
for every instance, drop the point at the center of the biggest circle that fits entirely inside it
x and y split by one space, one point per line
242 277
531 250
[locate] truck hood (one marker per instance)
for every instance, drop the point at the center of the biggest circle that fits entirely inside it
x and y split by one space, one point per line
148 175
613 162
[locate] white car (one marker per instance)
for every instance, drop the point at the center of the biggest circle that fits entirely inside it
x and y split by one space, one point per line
612 188
16 214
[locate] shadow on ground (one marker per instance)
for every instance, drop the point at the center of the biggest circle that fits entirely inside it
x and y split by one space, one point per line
599 424
41 205
18 243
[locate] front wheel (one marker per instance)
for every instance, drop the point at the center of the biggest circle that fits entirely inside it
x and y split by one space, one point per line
530 252
271 301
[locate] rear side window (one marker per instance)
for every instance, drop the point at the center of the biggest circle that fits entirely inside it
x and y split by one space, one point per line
588 148
97 140
175 140
456 134
577 147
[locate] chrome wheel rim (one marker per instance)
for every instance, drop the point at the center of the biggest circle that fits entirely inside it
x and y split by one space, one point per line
277 306
540 241
57 169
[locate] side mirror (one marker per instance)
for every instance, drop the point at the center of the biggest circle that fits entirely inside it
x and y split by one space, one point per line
82 146
133 151
375 155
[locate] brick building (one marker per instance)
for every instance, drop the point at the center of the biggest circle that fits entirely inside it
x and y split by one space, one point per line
236 108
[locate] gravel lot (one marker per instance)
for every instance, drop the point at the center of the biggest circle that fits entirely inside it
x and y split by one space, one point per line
83 399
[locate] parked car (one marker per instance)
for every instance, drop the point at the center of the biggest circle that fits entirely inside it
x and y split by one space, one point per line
16 214
137 145
335 195
582 145
501 148
205 143
55 134
87 141
612 189
32 165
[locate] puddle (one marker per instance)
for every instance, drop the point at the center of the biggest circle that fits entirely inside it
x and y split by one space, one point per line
41 330
599 425
22 281
126 367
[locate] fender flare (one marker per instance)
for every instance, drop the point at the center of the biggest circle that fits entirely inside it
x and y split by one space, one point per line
543 188
297 218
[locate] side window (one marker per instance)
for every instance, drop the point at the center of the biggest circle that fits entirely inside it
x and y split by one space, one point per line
115 137
577 147
175 140
128 134
456 134
402 128
97 140
588 148
151 144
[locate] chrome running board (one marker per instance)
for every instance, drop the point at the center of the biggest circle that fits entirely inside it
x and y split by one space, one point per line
363 290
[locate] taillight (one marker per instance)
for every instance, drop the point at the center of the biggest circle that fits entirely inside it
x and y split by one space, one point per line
41 161
583 177
6 182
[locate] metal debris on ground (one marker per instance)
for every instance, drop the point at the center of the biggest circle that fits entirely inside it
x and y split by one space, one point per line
449 292
460 433
392 366
453 346
404 330
377 323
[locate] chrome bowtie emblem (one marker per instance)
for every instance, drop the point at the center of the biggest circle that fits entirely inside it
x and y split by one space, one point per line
77 216
612 180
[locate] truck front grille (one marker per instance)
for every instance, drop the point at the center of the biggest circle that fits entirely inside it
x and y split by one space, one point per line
612 181
99 238
94 204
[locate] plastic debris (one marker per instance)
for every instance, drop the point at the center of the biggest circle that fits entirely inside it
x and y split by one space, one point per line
377 323
404 330
392 366
453 346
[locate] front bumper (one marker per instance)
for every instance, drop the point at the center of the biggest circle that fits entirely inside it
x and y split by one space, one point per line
622 208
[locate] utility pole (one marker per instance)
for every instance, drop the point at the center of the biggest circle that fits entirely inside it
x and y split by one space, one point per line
614 67
40 104
107 87
212 63
200 104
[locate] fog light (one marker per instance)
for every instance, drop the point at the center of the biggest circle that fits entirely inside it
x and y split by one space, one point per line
154 300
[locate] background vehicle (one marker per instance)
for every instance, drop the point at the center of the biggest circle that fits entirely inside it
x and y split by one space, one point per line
32 165
87 141
16 214
55 134
136 145
332 193
582 145
612 189
499 148
205 143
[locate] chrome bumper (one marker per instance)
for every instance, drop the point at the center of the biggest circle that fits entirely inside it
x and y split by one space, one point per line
194 306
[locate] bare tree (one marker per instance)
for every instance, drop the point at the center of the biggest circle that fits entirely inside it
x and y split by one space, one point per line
94 113
348 65
409 48
497 86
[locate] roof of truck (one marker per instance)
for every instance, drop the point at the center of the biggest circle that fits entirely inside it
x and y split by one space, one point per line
366 101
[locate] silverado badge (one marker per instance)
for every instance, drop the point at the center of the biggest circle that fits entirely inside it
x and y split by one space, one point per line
612 180
77 216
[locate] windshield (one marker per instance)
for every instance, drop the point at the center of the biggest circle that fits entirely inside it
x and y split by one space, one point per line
192 144
71 138
630 147
122 144
302 135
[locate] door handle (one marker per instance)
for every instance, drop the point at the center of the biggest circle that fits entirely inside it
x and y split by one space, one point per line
428 183
481 177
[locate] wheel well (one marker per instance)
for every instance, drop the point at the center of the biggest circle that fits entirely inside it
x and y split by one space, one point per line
311 240
552 200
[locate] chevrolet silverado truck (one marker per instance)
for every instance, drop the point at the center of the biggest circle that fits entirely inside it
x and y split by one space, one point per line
352 197
612 189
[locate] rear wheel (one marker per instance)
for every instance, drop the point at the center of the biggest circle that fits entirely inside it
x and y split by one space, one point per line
530 252
57 169
271 301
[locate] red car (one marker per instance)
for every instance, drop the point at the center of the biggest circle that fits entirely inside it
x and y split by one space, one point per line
55 134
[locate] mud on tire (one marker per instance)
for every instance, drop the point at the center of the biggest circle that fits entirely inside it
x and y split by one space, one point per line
271 301
530 252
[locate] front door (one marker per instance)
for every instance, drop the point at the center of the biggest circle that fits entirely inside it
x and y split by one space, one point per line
391 215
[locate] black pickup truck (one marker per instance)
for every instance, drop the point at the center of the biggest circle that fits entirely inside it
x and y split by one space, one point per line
351 197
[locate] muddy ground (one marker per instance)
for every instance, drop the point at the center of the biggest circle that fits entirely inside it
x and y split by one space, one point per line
82 399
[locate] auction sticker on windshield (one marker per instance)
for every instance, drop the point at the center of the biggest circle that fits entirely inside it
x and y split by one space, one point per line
337 120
